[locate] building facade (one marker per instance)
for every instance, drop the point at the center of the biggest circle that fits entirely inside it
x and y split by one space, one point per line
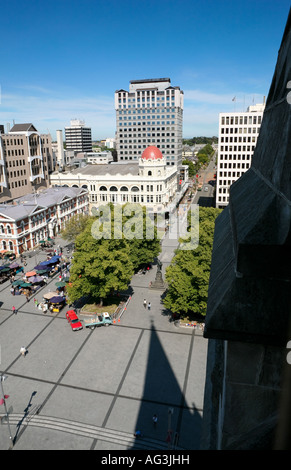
37 217
26 160
149 182
150 113
238 134
78 137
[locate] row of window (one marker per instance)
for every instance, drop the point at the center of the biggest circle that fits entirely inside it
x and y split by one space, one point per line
144 123
17 184
239 148
149 111
130 146
13 141
239 120
122 198
229 174
243 166
147 129
240 130
7 245
235 140
33 141
235 157
148 134
148 188
148 99
16 174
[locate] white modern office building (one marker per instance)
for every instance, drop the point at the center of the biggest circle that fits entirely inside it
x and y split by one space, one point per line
78 137
238 134
150 113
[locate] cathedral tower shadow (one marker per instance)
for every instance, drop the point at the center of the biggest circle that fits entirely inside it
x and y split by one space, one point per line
179 424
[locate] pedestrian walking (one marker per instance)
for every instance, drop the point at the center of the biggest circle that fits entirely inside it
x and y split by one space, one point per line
155 420
14 310
149 306
144 303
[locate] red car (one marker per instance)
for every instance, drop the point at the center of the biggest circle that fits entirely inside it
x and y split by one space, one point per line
74 320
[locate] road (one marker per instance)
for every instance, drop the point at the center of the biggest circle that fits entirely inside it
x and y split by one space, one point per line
206 198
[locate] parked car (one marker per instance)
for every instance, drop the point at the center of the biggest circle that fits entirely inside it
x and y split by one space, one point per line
74 321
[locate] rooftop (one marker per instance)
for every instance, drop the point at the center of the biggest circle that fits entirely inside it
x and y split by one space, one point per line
27 127
27 204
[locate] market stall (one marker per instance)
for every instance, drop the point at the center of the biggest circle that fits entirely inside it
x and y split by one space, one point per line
55 304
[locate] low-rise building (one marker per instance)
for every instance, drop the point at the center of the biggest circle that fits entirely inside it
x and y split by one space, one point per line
36 217
150 182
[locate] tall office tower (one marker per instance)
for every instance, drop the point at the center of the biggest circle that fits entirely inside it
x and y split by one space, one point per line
25 161
238 134
78 136
150 113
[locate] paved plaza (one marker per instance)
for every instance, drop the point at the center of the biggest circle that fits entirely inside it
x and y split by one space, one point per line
92 389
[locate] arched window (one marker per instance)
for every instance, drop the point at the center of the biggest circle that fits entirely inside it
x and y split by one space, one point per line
134 189
8 228
123 188
113 188
103 188
149 173
2 230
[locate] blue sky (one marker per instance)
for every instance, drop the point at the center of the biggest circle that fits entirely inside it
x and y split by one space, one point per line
64 59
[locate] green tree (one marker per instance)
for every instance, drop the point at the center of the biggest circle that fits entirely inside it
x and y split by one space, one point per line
100 266
141 233
188 274
75 226
110 248
191 166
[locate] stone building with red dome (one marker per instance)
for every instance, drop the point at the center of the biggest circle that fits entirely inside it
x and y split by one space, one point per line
149 182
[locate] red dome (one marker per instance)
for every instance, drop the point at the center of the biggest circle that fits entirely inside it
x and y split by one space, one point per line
151 153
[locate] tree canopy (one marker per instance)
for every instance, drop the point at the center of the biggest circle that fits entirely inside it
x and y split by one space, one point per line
74 226
113 244
188 274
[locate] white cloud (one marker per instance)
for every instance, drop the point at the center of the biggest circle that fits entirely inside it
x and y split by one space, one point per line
49 110
49 113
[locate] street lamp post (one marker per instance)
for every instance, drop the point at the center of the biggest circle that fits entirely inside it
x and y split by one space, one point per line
3 402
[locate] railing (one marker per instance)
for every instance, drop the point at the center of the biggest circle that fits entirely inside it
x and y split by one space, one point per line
120 309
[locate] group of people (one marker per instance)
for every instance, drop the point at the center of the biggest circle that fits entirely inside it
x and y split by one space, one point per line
146 304
41 305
